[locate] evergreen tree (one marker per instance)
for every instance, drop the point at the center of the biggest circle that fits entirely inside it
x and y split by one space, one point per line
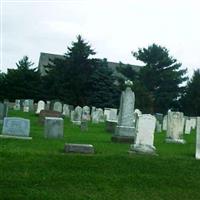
103 92
190 101
67 79
161 76
23 82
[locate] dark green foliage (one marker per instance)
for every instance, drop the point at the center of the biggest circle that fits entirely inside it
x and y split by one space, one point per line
161 76
102 92
23 82
80 80
190 101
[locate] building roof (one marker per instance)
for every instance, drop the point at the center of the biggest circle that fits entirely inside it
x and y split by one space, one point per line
45 59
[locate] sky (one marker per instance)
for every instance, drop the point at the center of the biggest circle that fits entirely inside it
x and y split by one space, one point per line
114 28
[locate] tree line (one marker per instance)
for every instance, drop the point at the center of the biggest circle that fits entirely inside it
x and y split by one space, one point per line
159 85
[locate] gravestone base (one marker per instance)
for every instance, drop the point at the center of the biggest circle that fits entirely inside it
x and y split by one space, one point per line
15 137
79 148
111 126
142 149
122 139
178 141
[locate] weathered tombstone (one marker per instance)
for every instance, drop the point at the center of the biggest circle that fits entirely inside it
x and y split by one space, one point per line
17 104
165 123
193 122
145 135
77 114
112 115
101 115
197 154
40 106
96 116
53 127
175 126
86 113
84 125
48 113
188 126
3 111
14 127
26 105
57 106
79 148
125 129
93 110
66 111
106 113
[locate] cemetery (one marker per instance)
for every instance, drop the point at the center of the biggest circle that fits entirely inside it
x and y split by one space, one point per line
59 159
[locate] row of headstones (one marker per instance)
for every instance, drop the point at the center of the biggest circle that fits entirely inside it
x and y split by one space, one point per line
189 123
20 128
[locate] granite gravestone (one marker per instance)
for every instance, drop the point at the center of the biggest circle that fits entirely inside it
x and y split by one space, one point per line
145 135
175 126
86 113
14 127
53 127
125 129
77 115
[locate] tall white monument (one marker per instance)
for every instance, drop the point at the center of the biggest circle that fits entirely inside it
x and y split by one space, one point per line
125 129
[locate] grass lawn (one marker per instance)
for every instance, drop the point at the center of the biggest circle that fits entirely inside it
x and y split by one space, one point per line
38 169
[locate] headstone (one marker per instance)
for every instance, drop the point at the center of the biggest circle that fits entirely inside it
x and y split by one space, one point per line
93 110
175 126
53 127
84 125
48 113
77 115
98 116
57 106
165 123
79 148
14 127
188 126
112 115
17 104
40 106
48 105
159 121
86 113
26 105
106 113
101 115
125 129
197 155
3 111
111 126
66 110
145 135
193 122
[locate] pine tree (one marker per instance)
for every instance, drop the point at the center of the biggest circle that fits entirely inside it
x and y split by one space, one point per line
161 76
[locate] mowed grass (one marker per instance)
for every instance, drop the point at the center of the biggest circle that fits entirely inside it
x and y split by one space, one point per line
39 169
